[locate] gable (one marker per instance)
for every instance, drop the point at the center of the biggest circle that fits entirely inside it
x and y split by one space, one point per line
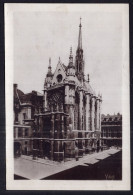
60 74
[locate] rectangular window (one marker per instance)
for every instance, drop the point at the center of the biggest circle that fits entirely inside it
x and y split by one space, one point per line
19 132
104 133
26 132
24 115
109 132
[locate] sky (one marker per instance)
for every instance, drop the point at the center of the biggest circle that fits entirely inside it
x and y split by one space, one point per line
39 35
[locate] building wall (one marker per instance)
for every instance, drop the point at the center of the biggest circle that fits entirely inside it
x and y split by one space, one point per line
74 117
25 106
25 113
112 130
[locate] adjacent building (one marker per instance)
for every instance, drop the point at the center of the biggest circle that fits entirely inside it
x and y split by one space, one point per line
25 106
111 130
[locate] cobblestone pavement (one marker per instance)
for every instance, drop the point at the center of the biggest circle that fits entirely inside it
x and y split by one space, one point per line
25 166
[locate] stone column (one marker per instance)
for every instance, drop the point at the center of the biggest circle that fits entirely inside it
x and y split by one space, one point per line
23 132
52 150
16 132
100 101
92 113
80 134
23 141
45 100
58 150
57 120
52 126
72 115
87 111
40 124
67 109
67 127
62 126
97 114
66 94
80 109
40 147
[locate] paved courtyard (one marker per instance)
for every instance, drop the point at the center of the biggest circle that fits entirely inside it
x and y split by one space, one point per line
28 168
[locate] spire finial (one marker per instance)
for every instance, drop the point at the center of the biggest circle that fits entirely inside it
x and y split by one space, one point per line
49 62
49 68
80 22
70 58
71 51
88 78
80 36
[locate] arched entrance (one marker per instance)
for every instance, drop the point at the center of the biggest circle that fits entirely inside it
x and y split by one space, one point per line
17 149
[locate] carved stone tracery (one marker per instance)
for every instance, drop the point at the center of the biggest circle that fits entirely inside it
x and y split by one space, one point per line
55 100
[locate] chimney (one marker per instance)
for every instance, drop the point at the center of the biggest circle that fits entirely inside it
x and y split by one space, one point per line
15 87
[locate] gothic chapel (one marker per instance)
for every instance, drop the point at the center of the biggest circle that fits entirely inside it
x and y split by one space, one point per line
71 116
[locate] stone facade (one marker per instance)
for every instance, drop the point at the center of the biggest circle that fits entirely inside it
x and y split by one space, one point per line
71 116
111 130
25 106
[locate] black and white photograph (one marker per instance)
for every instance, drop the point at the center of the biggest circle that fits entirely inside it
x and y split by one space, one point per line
67 96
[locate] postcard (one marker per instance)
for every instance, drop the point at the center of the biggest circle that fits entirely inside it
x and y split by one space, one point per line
67 96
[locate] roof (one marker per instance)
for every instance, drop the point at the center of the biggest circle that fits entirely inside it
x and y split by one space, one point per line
64 66
109 118
39 94
20 93
25 99
88 87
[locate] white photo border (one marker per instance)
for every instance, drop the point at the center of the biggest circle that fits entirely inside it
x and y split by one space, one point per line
12 184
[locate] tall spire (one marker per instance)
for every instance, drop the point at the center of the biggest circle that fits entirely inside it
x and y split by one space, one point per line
80 36
49 68
71 67
71 55
79 62
70 59
49 62
71 51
